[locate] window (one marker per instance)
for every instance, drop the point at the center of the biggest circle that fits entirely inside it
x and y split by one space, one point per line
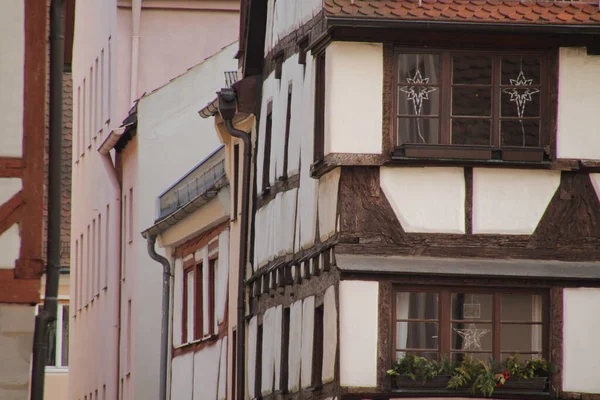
259 354
317 359
285 350
130 221
236 179
58 339
454 322
286 146
188 305
93 261
266 177
477 105
99 256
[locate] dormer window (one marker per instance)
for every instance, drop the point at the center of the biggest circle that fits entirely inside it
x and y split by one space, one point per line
471 105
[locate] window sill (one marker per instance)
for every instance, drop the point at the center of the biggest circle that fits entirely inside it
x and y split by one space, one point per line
57 370
498 394
471 153
207 338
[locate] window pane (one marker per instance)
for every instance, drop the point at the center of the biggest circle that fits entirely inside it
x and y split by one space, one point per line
521 70
521 307
521 338
418 68
418 130
523 357
51 335
520 133
417 335
472 101
468 69
472 306
65 337
470 336
520 102
458 357
418 100
410 305
471 131
190 306
429 356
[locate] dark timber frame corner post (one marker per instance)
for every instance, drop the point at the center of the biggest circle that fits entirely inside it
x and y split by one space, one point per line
228 108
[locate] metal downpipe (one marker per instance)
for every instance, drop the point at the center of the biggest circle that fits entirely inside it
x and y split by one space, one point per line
47 313
164 328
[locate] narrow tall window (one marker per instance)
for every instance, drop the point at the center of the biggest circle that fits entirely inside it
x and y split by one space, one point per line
76 277
285 350
212 274
78 144
58 339
81 269
88 268
129 349
97 104
234 366
91 108
188 305
236 179
130 222
125 220
266 175
109 86
102 89
259 350
317 359
93 261
319 145
83 119
286 146
199 316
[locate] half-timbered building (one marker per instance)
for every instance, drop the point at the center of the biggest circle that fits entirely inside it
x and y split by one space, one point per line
425 180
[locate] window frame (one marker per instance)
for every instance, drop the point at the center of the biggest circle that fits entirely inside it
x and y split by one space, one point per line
445 316
59 367
495 150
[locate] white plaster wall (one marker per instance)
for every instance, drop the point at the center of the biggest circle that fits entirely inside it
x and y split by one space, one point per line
222 389
578 104
581 324
12 43
358 333
177 301
268 361
330 335
308 324
206 372
328 197
181 377
353 106
276 343
283 17
295 351
509 201
10 243
426 199
251 357
222 276
16 338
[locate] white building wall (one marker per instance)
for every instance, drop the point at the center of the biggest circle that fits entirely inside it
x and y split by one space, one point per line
578 104
426 199
509 201
353 104
358 333
295 351
12 67
182 370
283 17
308 328
581 324
330 334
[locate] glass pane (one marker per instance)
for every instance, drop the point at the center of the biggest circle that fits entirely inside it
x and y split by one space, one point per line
418 130
64 358
472 101
416 305
472 306
521 307
458 357
470 131
417 335
521 338
472 69
523 357
51 335
521 70
418 68
190 306
429 356
520 102
469 336
520 133
418 100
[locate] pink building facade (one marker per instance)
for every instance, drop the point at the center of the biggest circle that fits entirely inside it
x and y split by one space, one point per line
122 50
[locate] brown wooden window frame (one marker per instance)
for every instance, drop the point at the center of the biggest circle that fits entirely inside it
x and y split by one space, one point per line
319 128
444 319
494 151
266 172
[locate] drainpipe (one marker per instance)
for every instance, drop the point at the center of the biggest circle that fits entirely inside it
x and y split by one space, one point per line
227 109
136 15
164 328
47 313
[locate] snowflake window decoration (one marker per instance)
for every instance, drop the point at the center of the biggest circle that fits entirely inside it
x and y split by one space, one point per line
417 95
521 96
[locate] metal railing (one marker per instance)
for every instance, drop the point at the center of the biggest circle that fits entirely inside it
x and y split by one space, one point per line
201 180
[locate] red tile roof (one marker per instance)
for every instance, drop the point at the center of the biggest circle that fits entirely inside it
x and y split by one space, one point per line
482 11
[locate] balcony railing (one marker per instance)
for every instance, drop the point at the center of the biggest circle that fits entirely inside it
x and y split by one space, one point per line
207 176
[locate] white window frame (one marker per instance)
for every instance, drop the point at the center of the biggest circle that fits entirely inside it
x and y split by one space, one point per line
59 335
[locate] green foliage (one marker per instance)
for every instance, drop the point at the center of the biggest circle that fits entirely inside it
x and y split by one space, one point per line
482 377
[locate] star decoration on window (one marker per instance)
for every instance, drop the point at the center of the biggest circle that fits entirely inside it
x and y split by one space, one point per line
417 94
472 337
521 96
